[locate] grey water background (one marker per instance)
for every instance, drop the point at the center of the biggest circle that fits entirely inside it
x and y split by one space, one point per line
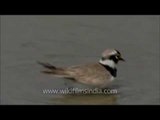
71 40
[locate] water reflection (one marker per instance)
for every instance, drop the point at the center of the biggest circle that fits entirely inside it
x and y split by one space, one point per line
85 99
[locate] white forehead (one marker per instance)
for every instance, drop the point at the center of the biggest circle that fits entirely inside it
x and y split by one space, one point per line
113 52
109 52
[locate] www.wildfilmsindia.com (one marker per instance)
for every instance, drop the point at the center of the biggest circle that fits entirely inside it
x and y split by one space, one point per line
79 91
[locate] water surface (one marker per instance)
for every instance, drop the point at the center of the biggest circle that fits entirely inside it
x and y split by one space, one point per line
71 40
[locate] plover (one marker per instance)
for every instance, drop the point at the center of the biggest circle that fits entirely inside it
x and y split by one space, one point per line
98 74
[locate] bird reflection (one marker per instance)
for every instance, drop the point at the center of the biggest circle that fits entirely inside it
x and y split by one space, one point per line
85 99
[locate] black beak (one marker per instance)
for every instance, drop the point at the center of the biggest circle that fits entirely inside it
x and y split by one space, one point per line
122 59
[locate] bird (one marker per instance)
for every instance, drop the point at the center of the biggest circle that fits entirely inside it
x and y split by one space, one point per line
96 74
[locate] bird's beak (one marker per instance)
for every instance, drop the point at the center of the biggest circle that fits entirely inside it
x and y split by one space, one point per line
120 58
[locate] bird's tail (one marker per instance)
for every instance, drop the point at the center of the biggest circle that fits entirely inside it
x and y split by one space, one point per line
50 69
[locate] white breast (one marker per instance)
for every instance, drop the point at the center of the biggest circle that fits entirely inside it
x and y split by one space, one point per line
112 78
107 82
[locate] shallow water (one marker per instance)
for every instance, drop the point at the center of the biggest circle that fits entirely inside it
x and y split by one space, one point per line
71 40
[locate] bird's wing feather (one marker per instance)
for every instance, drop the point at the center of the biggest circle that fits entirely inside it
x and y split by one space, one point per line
89 73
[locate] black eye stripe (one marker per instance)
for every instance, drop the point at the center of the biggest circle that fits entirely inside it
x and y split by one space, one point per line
114 58
111 57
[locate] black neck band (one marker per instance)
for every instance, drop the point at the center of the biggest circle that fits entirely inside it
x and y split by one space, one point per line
113 71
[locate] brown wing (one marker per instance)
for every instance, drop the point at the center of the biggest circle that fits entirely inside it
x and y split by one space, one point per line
94 74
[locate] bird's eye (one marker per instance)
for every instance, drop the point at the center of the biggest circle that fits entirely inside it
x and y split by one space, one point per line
116 57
